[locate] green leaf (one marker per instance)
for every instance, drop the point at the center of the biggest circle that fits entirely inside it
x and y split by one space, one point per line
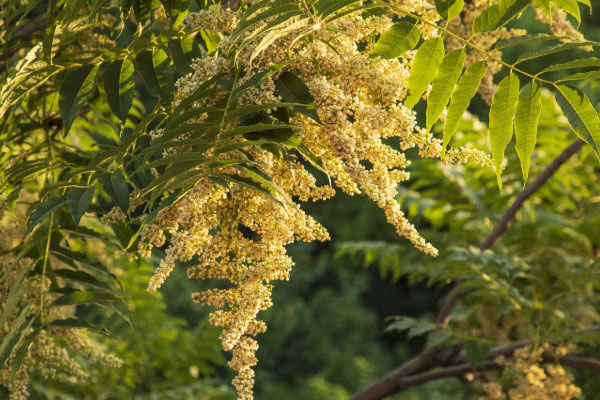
183 51
465 90
51 41
75 91
22 353
498 15
29 73
544 5
95 5
581 76
44 209
139 130
15 293
571 7
396 40
415 327
258 127
580 113
78 323
502 113
176 10
443 85
116 187
83 296
177 158
254 81
211 40
552 50
82 278
155 67
68 255
292 90
526 39
449 9
71 10
423 69
529 107
119 87
259 176
79 200
328 7
249 183
141 10
15 335
582 63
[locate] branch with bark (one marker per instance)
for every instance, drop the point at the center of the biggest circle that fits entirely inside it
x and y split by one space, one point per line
460 370
439 363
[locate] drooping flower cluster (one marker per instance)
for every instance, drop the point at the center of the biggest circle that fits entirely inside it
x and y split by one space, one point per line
527 378
237 234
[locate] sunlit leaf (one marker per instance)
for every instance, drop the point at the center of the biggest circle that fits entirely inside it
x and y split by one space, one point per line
79 200
83 296
443 85
553 50
292 90
498 15
581 114
155 67
529 107
115 185
423 69
75 91
581 76
396 40
502 112
44 209
119 86
582 63
464 92
184 51
449 9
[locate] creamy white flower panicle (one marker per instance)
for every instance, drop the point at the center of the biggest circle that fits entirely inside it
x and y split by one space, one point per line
527 377
239 235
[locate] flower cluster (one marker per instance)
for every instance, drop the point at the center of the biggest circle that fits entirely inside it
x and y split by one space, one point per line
236 234
527 378
221 20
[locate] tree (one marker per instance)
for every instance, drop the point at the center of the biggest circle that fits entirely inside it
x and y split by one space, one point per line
256 109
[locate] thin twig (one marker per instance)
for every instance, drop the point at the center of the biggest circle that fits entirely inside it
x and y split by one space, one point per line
435 357
459 370
446 309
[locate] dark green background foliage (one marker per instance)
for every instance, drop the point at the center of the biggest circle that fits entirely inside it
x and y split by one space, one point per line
330 331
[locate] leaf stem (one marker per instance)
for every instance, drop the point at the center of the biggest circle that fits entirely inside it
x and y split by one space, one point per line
466 42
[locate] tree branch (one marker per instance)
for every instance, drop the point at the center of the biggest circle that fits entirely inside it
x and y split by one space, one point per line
424 362
448 372
458 370
579 362
502 225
